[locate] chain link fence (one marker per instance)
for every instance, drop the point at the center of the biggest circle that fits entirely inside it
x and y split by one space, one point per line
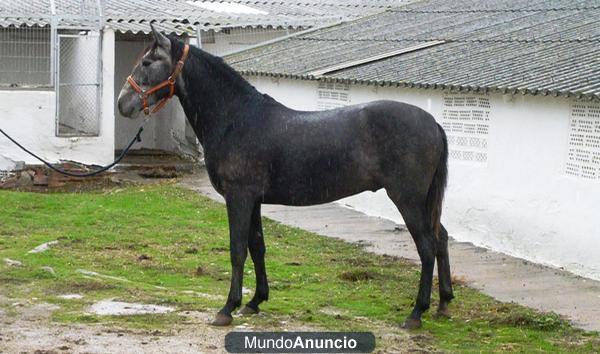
79 83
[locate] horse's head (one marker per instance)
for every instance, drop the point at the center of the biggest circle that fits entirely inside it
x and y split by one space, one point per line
154 67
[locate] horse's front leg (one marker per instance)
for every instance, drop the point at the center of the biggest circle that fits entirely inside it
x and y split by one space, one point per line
239 212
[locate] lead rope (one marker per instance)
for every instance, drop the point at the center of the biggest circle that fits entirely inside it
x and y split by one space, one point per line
136 138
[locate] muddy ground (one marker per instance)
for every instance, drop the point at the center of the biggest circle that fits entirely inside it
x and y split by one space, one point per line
26 328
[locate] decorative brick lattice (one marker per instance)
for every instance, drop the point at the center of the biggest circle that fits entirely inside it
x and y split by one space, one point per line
332 95
583 156
466 120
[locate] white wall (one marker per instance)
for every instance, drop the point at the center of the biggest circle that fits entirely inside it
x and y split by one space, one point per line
520 201
29 117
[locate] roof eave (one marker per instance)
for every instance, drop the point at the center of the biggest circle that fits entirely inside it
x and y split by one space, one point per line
435 86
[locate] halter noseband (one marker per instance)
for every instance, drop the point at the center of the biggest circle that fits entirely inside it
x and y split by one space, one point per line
168 82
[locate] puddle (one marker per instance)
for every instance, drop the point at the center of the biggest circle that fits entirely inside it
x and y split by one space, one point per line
118 308
70 296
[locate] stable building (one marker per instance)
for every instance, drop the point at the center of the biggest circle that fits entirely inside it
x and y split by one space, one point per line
63 63
516 86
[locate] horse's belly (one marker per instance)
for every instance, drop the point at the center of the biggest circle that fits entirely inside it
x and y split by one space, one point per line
316 188
305 199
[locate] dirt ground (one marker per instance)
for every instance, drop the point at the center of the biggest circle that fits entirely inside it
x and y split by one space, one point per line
31 331
28 329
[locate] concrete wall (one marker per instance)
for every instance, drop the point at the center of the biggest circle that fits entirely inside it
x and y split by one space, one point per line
29 117
520 201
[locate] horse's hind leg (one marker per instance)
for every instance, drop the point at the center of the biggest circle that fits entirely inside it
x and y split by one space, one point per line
256 245
444 277
418 223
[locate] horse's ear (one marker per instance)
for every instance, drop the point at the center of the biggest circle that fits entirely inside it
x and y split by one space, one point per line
160 38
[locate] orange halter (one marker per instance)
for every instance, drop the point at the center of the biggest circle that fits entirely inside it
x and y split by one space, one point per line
168 82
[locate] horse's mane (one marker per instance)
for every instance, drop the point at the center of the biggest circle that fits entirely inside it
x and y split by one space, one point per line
217 64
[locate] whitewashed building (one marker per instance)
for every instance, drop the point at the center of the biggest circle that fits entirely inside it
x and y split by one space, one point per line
62 63
56 74
515 84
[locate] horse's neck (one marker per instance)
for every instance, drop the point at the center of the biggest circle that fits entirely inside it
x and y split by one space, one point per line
213 99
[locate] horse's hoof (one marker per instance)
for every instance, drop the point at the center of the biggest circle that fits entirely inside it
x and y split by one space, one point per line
442 313
411 323
222 320
247 310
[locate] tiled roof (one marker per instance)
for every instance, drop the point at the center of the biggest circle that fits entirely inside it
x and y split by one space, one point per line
184 15
533 47
39 12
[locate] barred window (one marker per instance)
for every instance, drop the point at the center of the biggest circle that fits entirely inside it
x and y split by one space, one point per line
25 56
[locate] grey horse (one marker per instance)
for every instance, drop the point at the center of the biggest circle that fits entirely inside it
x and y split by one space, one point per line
259 151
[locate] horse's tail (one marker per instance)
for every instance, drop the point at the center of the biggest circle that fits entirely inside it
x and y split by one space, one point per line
435 196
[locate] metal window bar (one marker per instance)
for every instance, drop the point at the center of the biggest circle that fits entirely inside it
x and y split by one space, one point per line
25 53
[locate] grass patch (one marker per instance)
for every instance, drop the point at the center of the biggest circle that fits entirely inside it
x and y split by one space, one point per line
165 245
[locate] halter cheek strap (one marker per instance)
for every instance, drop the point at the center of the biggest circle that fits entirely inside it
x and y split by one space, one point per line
144 94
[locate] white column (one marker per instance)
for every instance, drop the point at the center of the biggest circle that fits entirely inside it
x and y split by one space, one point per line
107 123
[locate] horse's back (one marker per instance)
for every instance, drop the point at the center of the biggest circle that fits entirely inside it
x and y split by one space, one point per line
384 130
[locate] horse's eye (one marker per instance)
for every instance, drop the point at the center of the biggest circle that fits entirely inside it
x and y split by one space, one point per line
146 62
